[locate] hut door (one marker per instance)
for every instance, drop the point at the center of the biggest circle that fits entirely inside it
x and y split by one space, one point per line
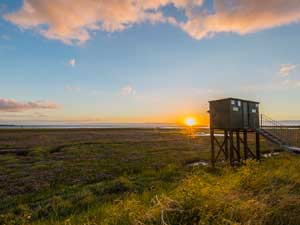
245 115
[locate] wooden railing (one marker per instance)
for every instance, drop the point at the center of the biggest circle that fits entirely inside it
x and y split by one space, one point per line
289 134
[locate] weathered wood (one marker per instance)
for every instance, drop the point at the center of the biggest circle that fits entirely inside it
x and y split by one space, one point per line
221 148
245 136
257 140
231 153
238 146
246 147
231 146
226 143
212 138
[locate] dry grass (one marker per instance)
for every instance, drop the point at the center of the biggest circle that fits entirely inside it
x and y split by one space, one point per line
51 175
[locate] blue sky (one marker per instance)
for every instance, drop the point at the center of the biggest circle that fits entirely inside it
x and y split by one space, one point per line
146 72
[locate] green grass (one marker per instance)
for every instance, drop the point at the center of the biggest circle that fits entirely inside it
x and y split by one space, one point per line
110 177
258 193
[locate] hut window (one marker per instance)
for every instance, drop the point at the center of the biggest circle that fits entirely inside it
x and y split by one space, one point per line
232 102
254 111
239 103
235 109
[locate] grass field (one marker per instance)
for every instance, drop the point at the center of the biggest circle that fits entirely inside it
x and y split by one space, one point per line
111 176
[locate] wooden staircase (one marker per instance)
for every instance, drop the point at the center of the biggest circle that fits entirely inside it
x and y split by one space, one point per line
287 137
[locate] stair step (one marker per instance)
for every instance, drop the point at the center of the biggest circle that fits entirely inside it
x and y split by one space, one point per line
274 131
294 149
271 137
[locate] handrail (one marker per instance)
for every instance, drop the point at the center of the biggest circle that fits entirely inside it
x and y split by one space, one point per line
289 135
268 119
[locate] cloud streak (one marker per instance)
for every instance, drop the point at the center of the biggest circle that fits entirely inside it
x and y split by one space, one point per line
70 88
72 22
72 62
286 69
242 17
11 105
128 91
291 84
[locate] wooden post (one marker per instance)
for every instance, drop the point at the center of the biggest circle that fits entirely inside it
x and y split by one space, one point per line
257 145
212 139
245 137
231 154
238 146
226 144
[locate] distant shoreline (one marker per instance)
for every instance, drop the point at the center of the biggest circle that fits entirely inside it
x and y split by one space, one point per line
292 123
99 126
287 123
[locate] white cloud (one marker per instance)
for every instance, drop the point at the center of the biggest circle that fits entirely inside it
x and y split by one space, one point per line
70 88
241 17
127 91
72 22
286 69
291 83
11 105
72 62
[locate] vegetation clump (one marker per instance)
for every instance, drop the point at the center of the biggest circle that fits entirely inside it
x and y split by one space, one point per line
258 193
134 176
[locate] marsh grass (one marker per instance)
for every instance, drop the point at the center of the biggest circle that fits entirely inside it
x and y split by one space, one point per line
130 177
258 193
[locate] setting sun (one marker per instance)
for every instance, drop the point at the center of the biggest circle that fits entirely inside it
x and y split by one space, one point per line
190 121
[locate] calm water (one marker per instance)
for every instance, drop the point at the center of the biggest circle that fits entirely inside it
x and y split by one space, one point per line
95 126
118 125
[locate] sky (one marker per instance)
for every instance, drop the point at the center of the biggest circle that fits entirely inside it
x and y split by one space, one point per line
132 61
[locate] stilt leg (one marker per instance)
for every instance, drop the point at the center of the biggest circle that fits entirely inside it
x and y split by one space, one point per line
231 155
238 146
212 138
226 144
257 146
245 137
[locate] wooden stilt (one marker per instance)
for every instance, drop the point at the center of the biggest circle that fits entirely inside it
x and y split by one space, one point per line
257 145
212 138
231 148
231 153
238 146
226 143
245 137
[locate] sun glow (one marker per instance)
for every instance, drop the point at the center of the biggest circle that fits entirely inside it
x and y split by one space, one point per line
190 121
